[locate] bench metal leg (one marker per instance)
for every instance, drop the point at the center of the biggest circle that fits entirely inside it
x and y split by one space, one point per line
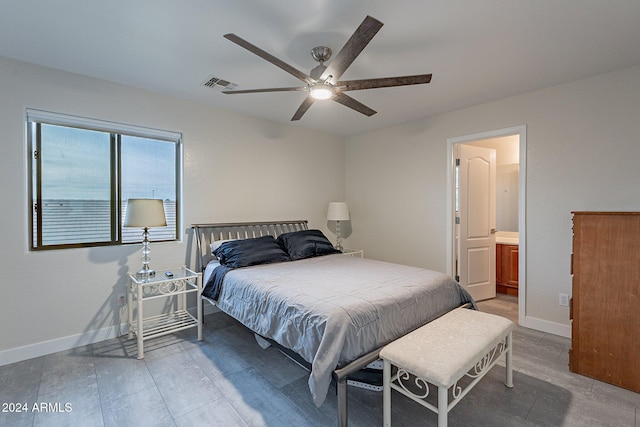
343 414
509 374
386 394
443 406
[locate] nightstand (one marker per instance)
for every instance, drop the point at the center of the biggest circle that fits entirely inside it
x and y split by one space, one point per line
180 282
353 252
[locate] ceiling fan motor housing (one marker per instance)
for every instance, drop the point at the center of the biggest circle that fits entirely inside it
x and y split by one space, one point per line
316 73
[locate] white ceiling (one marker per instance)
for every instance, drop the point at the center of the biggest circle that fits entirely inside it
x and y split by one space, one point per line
478 51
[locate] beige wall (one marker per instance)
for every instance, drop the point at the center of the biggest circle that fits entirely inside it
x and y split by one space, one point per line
236 168
583 142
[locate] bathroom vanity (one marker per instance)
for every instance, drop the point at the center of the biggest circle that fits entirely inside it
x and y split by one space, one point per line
507 263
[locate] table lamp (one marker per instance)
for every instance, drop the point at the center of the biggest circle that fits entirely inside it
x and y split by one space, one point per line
338 211
145 213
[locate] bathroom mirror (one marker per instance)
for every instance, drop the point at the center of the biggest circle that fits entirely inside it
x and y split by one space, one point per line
507 197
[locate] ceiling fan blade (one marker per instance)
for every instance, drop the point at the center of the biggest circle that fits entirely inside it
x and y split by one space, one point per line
267 56
303 108
350 51
383 82
273 89
346 100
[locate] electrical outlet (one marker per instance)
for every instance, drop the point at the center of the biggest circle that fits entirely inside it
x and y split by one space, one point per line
121 300
564 300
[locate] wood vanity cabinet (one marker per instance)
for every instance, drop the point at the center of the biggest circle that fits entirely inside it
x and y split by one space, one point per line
605 307
507 269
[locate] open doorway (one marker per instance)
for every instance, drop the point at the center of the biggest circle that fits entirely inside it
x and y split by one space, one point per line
487 251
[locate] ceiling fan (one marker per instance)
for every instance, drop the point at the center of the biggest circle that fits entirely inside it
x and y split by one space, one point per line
323 81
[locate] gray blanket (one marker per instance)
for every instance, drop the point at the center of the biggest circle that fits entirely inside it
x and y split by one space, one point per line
333 309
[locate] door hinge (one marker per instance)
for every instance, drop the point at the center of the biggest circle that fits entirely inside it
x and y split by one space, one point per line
458 279
35 155
458 220
457 162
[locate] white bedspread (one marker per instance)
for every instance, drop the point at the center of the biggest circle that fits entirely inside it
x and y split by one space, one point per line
333 309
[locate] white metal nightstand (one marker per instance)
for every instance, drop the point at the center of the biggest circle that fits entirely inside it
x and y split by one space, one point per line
180 282
353 252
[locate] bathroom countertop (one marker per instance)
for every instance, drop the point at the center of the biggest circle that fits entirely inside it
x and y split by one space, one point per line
507 237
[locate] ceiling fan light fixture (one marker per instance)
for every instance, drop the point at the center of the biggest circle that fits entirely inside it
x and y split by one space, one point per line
321 91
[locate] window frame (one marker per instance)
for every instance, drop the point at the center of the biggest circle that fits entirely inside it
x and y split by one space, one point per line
34 118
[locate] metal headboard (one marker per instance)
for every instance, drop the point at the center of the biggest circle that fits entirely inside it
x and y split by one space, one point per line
205 234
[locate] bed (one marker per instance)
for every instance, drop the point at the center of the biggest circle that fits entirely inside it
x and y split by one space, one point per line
332 310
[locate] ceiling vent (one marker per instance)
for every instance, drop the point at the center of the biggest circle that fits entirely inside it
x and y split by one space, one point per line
216 82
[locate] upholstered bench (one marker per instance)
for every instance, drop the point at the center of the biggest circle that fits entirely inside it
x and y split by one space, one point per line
452 353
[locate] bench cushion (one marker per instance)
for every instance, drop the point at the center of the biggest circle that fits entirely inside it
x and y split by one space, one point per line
443 350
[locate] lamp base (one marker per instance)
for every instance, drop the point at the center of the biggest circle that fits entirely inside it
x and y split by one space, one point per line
145 273
338 237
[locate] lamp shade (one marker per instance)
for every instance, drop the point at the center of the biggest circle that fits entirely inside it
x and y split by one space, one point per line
338 211
145 213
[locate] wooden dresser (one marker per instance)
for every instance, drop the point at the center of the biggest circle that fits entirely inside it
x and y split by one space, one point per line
605 308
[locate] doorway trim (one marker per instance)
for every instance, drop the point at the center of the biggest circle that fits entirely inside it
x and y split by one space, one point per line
521 131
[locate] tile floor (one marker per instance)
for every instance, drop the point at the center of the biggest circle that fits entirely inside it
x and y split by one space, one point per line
227 380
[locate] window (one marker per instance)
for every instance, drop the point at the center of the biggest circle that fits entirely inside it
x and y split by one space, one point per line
83 171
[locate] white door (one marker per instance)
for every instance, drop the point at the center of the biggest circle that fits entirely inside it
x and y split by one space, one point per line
477 221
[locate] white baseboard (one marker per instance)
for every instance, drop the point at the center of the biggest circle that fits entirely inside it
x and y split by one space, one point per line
60 344
547 326
67 343
43 348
